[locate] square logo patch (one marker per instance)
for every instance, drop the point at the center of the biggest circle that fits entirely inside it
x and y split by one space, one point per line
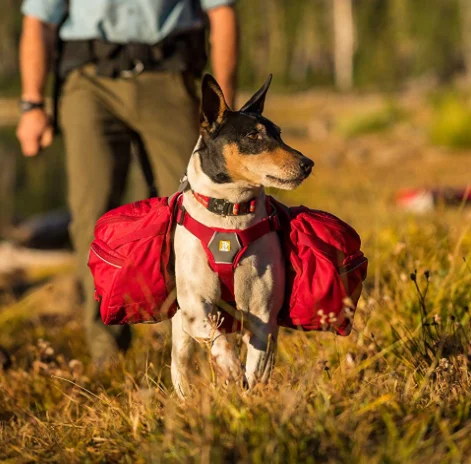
224 245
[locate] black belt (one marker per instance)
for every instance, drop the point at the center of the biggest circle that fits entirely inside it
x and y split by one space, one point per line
185 52
115 60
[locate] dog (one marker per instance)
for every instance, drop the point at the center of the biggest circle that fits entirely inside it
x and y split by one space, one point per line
237 155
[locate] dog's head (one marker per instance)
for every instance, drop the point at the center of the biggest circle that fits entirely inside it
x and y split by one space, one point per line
243 146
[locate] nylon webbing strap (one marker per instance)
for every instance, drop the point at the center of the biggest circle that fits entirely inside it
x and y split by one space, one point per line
58 80
247 236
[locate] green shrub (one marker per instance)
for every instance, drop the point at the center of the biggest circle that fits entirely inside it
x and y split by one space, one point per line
373 121
451 122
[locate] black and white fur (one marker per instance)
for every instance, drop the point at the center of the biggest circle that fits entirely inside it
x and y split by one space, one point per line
237 155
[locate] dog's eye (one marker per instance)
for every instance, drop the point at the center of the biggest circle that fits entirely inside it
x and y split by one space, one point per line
253 135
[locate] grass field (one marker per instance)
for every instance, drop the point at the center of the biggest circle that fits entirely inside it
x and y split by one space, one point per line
397 390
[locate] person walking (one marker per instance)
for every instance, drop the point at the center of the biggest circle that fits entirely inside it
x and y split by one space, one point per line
128 70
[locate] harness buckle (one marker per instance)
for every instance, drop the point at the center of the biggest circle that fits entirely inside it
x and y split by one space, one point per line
184 184
274 221
180 215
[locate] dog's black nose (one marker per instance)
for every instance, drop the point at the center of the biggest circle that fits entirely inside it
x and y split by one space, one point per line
306 165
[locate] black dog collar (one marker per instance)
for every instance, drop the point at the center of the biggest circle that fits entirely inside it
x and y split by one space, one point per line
218 205
224 207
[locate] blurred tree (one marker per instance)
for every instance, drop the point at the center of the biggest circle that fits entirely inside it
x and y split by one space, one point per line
344 40
374 43
9 25
465 6
305 44
437 34
376 62
277 37
311 57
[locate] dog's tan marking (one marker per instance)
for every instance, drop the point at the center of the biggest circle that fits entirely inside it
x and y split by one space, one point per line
279 162
205 126
261 128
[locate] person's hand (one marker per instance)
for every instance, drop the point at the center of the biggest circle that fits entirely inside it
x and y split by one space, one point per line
34 132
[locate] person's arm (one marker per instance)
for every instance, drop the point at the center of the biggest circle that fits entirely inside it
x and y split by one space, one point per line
224 38
36 47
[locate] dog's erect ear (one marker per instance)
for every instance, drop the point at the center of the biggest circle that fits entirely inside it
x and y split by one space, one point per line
213 104
257 102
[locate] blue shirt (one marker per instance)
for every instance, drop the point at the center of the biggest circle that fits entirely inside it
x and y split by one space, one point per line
122 21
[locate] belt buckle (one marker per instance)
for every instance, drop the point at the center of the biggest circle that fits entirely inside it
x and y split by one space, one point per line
137 69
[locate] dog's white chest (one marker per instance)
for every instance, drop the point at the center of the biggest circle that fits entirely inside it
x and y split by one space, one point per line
258 276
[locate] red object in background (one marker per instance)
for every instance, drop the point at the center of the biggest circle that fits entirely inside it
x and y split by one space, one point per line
424 200
130 255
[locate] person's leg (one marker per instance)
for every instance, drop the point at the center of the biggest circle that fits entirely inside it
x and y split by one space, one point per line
167 121
7 189
98 154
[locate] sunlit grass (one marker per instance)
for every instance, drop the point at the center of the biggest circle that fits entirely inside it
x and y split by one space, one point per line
395 391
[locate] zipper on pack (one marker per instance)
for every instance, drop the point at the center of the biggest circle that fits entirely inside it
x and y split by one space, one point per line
352 265
107 257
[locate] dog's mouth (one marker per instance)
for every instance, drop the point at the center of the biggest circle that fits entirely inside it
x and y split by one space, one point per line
295 181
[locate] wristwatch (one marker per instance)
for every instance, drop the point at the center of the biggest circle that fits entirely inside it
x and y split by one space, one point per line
26 105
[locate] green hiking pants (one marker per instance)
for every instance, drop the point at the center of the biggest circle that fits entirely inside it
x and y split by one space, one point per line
96 114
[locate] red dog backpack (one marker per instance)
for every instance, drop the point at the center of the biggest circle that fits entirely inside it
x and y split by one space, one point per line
325 269
130 262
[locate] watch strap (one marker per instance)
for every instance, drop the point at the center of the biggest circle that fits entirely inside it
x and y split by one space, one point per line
26 105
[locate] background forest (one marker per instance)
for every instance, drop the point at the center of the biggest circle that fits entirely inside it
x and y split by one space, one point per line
392 41
383 46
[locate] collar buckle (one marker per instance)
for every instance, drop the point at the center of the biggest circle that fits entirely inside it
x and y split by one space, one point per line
221 207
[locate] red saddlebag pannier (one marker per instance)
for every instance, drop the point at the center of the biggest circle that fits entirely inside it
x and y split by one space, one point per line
325 269
129 260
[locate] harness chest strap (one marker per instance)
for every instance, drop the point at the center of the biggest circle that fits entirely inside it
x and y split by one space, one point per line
225 247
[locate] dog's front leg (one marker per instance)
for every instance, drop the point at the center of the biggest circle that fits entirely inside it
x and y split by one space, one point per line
227 363
261 353
201 326
181 352
198 288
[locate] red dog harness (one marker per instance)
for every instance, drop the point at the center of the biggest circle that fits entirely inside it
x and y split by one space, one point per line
225 247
